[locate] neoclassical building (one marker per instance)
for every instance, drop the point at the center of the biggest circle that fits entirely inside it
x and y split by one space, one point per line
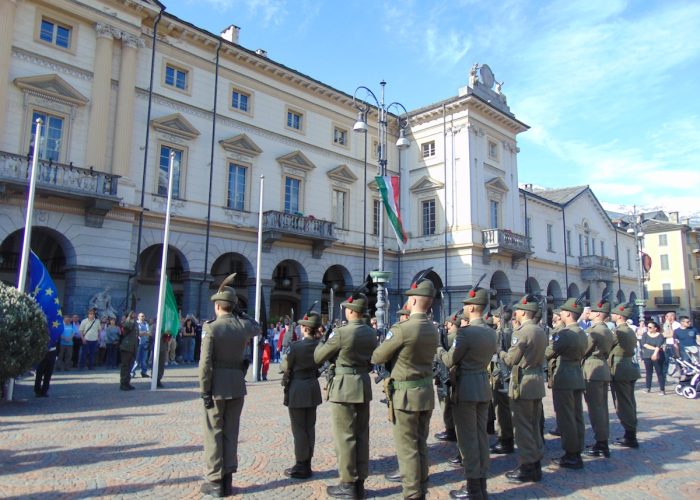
121 84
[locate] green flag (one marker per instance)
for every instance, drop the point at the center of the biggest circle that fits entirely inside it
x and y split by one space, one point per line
171 318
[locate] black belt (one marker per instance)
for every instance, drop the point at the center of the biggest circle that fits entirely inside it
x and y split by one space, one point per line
351 370
229 366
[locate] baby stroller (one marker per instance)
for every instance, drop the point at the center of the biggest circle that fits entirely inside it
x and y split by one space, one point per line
689 379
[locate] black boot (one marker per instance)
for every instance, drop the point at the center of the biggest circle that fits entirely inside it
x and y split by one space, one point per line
456 461
342 490
503 447
628 441
446 435
360 489
212 489
299 471
569 461
227 484
537 469
471 490
599 449
482 483
524 473
393 476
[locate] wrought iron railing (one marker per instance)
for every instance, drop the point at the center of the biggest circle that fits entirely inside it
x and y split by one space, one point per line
506 239
308 226
596 262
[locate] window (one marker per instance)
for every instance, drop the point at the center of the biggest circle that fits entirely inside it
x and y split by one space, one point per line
629 260
339 208
235 198
493 150
664 262
240 100
580 245
667 291
428 211
175 77
587 245
663 240
292 189
163 171
568 243
51 135
528 225
593 246
340 136
375 149
375 217
428 149
55 33
602 249
493 213
295 120
550 242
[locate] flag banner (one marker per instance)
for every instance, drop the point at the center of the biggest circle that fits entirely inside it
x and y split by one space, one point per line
43 289
171 319
389 188
646 262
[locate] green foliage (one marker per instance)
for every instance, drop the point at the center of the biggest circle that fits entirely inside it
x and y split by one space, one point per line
24 336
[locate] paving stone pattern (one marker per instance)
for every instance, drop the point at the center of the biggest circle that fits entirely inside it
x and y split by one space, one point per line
91 440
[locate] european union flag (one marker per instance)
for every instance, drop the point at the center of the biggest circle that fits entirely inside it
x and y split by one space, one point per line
42 288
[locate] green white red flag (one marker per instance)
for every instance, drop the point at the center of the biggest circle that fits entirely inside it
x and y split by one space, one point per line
389 188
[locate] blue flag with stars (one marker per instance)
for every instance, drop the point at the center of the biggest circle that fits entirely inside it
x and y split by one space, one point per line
42 288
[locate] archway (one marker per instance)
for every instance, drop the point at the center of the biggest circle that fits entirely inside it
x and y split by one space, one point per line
227 264
532 286
285 296
573 290
620 296
438 301
501 284
337 285
554 293
145 295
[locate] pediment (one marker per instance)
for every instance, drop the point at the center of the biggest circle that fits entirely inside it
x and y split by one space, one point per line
52 86
175 124
296 159
342 173
241 144
498 184
426 183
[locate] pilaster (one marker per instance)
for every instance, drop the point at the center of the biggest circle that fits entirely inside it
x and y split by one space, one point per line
99 105
125 106
7 22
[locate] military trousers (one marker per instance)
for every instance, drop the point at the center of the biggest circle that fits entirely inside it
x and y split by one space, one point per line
446 406
568 407
626 404
411 438
125 369
501 405
303 422
597 401
472 439
221 425
351 439
526 426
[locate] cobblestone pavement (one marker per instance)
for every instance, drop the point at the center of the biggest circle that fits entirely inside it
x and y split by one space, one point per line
89 439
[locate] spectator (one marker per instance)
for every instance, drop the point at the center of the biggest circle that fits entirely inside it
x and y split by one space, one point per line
112 335
89 333
77 340
275 341
171 352
584 322
144 346
65 348
669 327
44 370
685 336
189 334
266 355
653 355
102 343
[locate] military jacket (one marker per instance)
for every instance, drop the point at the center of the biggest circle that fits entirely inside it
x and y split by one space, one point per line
130 338
472 351
595 364
304 389
565 352
410 346
621 360
527 355
352 346
221 367
505 337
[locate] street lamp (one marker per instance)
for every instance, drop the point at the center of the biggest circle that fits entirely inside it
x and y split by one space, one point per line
636 231
380 276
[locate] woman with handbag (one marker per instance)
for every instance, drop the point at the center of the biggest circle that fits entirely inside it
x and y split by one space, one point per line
653 355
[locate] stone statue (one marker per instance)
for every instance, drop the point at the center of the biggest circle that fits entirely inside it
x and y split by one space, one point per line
473 75
102 302
499 85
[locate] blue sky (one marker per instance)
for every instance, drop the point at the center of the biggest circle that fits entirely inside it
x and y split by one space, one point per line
610 89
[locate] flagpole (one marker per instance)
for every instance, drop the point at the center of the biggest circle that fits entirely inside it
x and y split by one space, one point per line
258 281
163 276
26 243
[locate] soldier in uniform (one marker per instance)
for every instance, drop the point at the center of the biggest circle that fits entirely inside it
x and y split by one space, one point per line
557 324
597 374
526 389
128 345
499 390
625 373
564 354
302 394
451 325
472 352
350 392
222 369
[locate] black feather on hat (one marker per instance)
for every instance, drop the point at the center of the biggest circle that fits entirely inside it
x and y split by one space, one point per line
226 293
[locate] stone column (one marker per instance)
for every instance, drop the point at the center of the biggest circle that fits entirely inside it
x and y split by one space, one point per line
309 293
121 158
99 105
7 23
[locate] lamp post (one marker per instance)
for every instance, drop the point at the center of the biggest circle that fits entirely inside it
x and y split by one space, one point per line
636 231
380 277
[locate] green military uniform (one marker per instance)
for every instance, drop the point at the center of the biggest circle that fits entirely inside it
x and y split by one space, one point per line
526 390
597 374
303 395
350 392
128 346
568 347
444 398
222 383
410 347
625 373
499 391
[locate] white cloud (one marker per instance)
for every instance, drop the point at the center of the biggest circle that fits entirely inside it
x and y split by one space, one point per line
267 11
445 48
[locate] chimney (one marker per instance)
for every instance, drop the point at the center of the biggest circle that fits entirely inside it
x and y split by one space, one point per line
261 52
231 33
673 217
685 221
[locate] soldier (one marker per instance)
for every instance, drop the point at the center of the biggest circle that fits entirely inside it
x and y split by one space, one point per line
499 387
128 345
566 378
410 347
302 394
350 392
624 374
526 389
472 352
557 324
222 369
442 382
597 374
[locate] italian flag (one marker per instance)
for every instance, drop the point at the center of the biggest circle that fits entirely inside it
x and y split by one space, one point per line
389 187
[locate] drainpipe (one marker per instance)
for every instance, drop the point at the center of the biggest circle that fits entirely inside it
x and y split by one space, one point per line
444 156
566 252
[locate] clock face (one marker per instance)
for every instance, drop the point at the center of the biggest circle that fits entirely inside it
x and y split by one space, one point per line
486 75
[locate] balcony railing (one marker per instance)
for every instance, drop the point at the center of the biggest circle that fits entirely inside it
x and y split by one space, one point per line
667 301
596 268
278 224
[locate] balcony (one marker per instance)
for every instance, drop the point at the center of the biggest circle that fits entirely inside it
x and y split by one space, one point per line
505 242
667 301
96 190
277 225
596 268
